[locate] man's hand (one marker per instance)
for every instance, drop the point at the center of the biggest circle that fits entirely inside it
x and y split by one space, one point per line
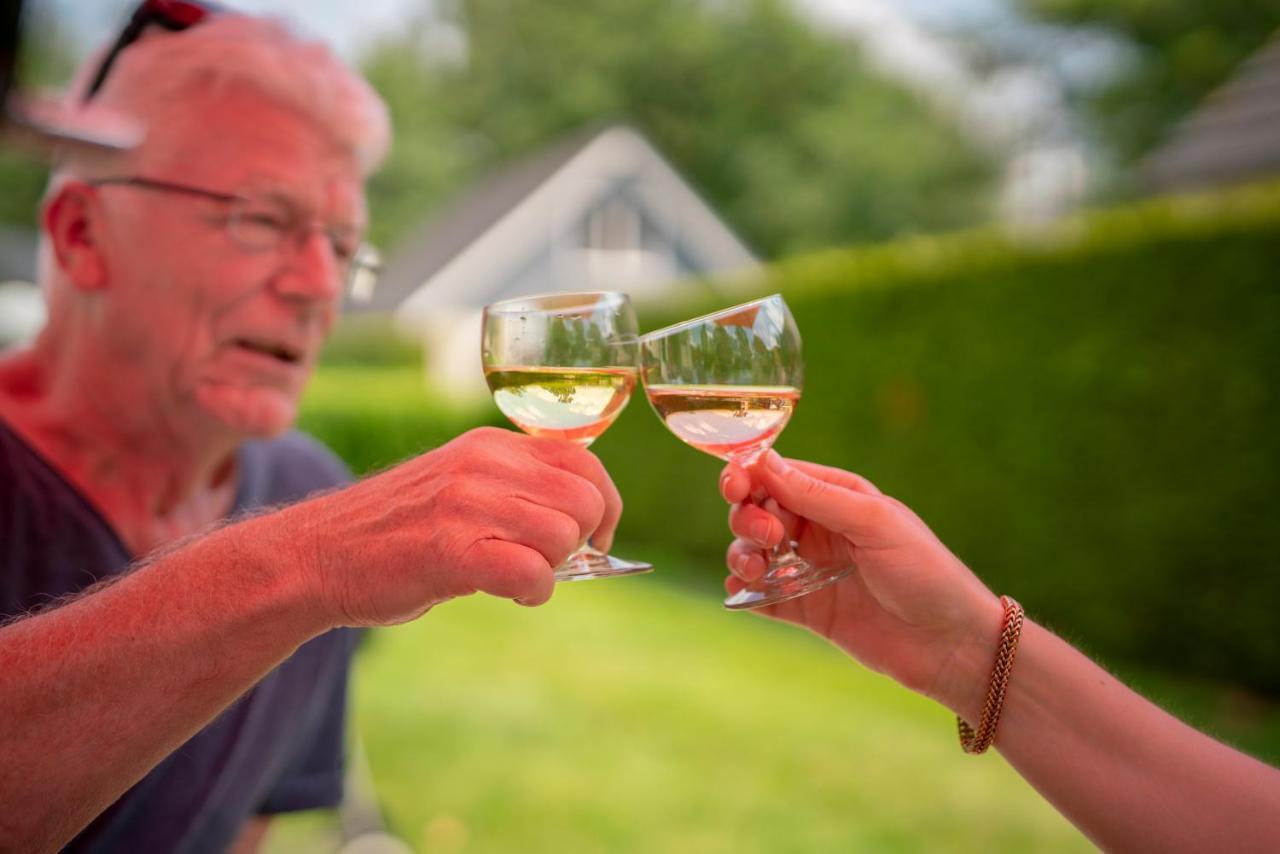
492 511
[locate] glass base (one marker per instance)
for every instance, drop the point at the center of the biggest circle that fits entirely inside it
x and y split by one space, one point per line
589 563
789 578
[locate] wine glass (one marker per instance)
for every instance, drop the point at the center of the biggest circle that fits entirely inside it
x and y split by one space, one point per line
727 383
563 366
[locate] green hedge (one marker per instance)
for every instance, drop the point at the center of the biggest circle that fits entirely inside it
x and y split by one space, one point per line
375 416
1089 417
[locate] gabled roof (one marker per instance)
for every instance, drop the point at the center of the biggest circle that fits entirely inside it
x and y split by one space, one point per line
1233 136
430 246
511 216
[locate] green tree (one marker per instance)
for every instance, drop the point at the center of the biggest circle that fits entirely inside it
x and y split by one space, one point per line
45 60
1186 49
780 126
431 153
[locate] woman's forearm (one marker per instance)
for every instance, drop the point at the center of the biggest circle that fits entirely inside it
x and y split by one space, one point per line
1129 775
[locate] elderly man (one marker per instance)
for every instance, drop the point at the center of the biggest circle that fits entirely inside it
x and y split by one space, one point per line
190 285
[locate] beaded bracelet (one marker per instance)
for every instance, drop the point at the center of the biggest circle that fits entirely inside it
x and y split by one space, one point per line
978 741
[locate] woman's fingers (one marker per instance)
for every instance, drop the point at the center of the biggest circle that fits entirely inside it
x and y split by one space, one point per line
791 523
745 560
735 483
839 477
755 524
841 509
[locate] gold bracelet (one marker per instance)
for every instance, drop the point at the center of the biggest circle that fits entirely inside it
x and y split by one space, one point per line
978 741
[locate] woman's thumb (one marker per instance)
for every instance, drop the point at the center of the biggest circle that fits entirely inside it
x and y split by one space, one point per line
833 507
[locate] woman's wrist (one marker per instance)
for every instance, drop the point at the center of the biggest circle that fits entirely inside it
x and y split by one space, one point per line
965 674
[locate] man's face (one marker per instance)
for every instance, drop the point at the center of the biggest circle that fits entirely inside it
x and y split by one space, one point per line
197 324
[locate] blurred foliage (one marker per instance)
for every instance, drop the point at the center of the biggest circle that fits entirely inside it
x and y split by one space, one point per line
22 182
367 340
375 416
1087 416
1187 48
44 61
1090 422
782 128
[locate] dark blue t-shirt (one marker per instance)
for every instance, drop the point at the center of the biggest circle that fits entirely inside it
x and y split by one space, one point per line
279 748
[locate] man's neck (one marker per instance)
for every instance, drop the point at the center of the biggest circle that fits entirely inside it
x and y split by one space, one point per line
155 480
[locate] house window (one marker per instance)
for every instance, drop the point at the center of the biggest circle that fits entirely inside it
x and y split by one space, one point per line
614 226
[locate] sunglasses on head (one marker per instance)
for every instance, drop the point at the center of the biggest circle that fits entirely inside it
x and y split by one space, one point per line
172 15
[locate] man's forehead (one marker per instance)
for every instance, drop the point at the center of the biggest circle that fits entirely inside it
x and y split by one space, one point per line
236 138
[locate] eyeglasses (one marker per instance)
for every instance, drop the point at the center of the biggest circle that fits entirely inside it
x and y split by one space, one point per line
258 223
172 15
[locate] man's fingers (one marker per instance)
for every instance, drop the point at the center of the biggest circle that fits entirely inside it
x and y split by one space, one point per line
584 464
510 571
567 494
837 508
550 532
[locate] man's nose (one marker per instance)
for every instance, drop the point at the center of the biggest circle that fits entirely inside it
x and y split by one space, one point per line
312 270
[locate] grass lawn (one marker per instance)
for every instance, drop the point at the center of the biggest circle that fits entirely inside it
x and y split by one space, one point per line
637 715
629 715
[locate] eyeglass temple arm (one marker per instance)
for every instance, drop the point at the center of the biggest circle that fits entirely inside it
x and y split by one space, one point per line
149 12
141 17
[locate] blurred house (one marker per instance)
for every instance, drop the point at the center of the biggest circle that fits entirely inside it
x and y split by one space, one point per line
22 310
1233 137
601 210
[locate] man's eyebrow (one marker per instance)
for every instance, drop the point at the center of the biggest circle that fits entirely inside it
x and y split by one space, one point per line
275 196
355 220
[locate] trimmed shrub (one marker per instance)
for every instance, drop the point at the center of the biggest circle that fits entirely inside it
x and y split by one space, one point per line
1090 419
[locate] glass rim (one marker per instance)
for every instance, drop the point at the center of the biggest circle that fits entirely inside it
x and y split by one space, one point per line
703 318
590 300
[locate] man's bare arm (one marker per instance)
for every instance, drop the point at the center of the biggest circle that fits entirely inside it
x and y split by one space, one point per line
95 693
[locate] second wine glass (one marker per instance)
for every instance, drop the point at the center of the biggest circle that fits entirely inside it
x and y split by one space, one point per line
563 366
727 383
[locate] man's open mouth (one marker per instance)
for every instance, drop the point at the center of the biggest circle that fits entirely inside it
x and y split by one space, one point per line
275 350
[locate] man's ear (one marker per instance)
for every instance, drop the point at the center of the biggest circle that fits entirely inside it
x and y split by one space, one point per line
73 220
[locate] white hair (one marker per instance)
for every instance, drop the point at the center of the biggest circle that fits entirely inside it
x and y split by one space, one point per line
163 69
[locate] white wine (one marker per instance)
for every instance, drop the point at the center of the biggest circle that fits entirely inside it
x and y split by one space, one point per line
730 422
577 404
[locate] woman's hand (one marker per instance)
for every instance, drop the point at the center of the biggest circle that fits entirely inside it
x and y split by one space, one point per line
910 609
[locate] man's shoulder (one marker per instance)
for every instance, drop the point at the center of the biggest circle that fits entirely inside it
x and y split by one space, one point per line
301 450
289 467
23 471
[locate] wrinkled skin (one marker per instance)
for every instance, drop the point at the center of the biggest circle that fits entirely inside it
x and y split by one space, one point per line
492 512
